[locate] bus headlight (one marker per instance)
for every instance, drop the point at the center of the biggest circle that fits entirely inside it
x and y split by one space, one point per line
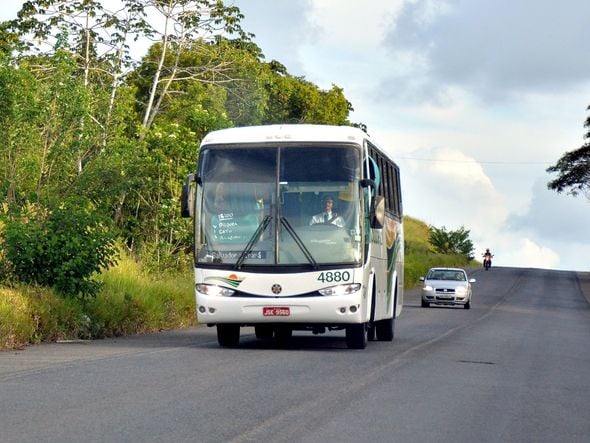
340 289
214 290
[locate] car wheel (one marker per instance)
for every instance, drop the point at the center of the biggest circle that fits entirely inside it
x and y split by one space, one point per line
467 305
425 304
356 336
228 336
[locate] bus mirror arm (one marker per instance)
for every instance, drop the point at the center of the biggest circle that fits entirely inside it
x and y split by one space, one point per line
368 183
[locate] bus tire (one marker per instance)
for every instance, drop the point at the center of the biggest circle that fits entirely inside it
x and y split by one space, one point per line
384 329
371 328
356 336
371 333
228 335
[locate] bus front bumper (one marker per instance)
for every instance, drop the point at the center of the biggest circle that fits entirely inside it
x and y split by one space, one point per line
254 310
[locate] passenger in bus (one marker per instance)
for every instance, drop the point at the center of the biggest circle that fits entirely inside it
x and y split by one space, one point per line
329 215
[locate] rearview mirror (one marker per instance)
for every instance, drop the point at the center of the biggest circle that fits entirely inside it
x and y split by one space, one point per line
187 197
378 212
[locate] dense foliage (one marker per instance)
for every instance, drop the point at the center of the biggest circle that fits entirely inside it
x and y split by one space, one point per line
573 169
451 242
60 247
82 121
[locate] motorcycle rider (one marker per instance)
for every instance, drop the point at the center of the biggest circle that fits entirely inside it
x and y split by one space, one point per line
487 257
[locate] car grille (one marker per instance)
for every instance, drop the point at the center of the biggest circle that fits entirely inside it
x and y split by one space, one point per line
444 291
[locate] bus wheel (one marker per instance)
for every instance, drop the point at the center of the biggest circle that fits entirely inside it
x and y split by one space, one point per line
356 336
228 336
371 333
385 329
263 332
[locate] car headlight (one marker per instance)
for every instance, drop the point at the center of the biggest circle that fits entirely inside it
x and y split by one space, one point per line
340 289
460 290
214 290
428 288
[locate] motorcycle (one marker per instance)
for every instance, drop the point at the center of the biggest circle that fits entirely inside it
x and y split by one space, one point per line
487 261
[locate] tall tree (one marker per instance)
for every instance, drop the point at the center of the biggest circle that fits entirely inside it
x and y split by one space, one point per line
573 169
98 41
185 22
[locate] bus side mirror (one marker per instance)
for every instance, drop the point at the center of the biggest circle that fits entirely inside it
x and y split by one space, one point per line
368 183
187 197
378 212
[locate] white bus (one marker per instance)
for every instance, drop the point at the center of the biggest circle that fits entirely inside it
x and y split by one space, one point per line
265 254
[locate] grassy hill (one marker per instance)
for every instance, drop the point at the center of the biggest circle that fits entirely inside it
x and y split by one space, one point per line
419 255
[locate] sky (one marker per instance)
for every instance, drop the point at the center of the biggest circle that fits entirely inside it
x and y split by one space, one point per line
474 99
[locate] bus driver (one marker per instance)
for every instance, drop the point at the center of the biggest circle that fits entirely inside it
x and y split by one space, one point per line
328 216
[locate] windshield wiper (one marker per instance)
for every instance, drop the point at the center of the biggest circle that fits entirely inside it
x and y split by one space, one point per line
305 251
253 240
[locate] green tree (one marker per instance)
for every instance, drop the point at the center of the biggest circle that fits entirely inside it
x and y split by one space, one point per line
19 122
573 169
185 22
62 247
296 100
451 242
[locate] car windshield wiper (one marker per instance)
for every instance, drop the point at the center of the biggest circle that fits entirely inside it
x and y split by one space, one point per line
305 251
253 240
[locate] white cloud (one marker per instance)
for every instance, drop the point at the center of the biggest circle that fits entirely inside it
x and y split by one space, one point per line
445 187
511 250
352 25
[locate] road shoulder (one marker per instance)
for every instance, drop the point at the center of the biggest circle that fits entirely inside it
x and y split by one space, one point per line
584 282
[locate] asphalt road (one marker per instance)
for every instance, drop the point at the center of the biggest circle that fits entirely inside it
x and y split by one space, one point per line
514 368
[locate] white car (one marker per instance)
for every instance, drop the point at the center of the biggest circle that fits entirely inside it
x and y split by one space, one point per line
446 286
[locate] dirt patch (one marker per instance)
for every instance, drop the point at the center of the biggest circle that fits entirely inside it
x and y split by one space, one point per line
584 281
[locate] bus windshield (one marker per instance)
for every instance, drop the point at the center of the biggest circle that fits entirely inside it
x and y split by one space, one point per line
288 205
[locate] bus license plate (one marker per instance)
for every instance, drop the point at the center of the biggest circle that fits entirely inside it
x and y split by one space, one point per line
276 311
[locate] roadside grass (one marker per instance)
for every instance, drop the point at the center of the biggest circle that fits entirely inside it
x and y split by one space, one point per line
130 302
133 301
31 314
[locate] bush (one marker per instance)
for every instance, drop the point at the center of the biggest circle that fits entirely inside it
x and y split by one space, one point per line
61 247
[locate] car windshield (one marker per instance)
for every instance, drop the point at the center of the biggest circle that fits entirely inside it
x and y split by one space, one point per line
446 274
